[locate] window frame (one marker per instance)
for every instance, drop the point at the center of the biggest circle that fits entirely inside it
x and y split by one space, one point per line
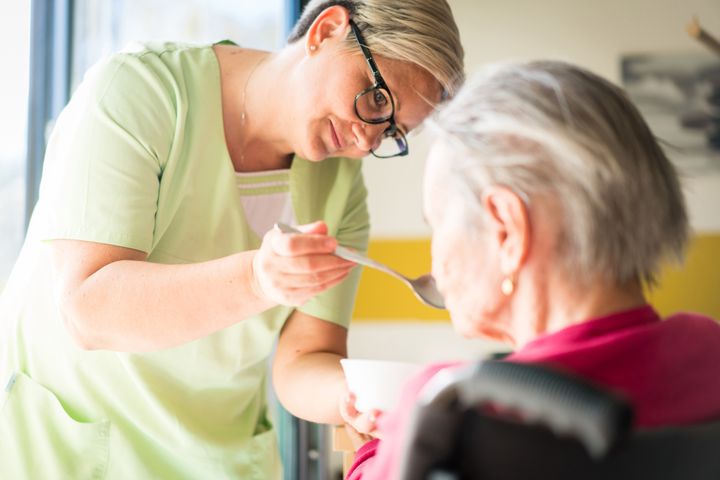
49 90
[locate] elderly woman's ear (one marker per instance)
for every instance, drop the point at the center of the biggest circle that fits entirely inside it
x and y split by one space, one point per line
507 227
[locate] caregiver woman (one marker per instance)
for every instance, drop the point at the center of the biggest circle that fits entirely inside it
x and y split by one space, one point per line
139 319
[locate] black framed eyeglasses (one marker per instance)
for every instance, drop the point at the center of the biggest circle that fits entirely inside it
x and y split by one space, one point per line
375 105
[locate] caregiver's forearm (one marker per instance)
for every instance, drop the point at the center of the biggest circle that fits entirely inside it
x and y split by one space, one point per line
311 387
136 306
307 375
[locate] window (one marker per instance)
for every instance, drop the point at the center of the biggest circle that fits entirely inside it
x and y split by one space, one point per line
102 27
14 84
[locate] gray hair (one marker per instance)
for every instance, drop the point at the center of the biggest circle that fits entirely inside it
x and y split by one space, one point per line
421 32
548 127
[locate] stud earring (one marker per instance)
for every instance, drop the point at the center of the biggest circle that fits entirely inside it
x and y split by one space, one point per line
313 48
507 287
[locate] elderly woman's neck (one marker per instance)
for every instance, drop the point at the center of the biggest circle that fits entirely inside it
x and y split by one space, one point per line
563 305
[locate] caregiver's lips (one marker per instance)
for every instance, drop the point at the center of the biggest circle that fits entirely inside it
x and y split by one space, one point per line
335 138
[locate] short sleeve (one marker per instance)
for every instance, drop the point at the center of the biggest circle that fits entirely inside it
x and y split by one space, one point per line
105 157
336 304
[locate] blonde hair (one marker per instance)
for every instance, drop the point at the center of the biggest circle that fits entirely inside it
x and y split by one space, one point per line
422 32
549 127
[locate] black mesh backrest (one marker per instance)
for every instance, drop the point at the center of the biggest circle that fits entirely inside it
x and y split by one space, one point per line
499 420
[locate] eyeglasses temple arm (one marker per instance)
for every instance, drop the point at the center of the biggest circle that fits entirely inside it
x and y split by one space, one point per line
368 56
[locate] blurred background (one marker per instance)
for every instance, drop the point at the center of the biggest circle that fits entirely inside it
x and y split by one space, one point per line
46 46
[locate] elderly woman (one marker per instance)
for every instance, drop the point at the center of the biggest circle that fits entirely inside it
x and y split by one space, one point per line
551 205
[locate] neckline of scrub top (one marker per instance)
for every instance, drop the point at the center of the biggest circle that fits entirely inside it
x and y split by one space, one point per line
265 182
265 199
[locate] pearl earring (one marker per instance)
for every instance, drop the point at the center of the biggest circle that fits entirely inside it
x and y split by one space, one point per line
313 48
507 287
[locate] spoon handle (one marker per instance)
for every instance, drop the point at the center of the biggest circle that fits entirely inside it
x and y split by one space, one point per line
361 259
348 254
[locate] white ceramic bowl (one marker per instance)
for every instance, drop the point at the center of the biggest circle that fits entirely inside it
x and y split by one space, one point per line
377 383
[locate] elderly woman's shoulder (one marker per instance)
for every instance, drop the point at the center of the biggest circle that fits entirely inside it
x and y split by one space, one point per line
693 320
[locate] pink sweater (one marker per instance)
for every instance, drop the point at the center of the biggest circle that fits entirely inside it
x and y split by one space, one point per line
669 369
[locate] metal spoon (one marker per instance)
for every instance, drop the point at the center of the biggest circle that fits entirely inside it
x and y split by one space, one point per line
423 287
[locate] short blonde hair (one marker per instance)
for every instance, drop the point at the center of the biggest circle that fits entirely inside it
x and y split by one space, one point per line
422 32
551 128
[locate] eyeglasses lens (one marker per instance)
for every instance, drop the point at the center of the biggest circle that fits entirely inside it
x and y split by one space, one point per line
375 105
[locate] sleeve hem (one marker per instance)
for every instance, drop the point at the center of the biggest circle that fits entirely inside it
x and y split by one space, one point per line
119 239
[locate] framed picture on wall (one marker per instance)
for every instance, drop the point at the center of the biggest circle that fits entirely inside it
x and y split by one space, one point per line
679 96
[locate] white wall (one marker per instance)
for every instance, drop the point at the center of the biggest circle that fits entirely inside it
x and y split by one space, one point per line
592 33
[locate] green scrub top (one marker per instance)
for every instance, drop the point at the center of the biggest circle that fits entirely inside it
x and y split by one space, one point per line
138 159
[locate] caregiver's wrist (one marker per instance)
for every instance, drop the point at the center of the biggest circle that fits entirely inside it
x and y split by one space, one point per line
254 288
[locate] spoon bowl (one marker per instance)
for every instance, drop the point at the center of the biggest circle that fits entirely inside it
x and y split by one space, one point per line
423 287
426 291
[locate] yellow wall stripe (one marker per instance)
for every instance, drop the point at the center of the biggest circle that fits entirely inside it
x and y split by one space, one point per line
695 287
382 297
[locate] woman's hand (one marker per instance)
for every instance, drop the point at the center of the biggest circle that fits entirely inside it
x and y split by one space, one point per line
289 268
360 426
